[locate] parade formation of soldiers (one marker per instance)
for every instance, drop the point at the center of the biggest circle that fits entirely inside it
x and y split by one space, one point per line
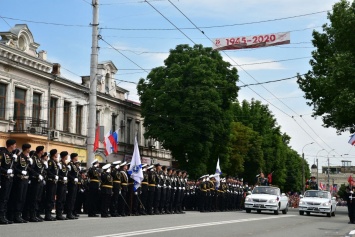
35 183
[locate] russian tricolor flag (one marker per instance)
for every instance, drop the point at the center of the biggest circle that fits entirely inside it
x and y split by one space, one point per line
111 142
352 140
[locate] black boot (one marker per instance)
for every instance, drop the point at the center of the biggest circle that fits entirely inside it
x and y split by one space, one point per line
38 216
70 216
48 216
33 217
18 218
3 220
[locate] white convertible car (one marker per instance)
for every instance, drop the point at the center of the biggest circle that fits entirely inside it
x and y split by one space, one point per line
266 198
317 201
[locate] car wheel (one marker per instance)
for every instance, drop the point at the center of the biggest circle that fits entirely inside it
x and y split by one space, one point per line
277 211
330 213
258 211
301 213
284 211
308 213
247 210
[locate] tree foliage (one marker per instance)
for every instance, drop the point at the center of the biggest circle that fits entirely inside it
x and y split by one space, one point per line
258 144
245 154
186 105
330 84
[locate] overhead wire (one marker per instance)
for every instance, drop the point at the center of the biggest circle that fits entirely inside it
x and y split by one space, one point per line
247 74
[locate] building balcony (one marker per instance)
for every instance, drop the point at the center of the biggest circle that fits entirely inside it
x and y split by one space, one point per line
29 125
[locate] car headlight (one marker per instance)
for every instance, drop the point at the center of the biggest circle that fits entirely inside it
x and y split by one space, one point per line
302 203
326 204
272 201
248 199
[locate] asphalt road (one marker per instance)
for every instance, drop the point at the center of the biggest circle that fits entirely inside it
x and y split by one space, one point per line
190 224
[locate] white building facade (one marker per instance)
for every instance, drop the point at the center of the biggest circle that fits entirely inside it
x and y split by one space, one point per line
40 107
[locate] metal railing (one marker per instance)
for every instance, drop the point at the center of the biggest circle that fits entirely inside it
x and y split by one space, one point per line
30 125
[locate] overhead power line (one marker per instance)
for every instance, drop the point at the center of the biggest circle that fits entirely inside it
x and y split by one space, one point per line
253 79
186 28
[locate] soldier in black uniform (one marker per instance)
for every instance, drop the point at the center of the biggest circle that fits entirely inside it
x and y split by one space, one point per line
6 170
168 190
144 190
116 188
158 187
124 209
173 189
13 195
163 176
350 201
94 187
73 179
183 191
312 184
62 185
262 181
36 187
42 197
80 202
203 193
106 190
20 184
151 189
51 185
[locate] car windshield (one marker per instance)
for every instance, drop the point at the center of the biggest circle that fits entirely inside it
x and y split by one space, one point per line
319 194
266 190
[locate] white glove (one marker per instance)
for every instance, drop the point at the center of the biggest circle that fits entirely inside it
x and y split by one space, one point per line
24 172
119 192
351 192
9 171
30 160
80 168
69 167
46 164
56 177
59 166
40 177
135 193
15 157
76 180
65 178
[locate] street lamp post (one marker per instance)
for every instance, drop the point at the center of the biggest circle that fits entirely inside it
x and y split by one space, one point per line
303 176
329 168
318 167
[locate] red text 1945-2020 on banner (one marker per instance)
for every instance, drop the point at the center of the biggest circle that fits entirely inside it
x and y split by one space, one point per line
253 41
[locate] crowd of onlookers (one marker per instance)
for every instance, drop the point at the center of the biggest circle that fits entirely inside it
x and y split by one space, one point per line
293 199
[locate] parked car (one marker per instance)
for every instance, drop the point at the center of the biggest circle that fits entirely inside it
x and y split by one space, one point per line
317 201
266 198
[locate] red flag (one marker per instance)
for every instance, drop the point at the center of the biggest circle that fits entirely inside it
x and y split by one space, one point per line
269 178
97 137
350 179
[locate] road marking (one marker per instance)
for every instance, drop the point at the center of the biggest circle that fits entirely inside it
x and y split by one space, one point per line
352 232
181 227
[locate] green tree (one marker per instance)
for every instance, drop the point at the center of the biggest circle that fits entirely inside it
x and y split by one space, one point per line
186 105
330 84
294 172
246 155
274 144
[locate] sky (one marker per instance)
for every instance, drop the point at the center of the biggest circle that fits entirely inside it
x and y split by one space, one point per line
137 35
